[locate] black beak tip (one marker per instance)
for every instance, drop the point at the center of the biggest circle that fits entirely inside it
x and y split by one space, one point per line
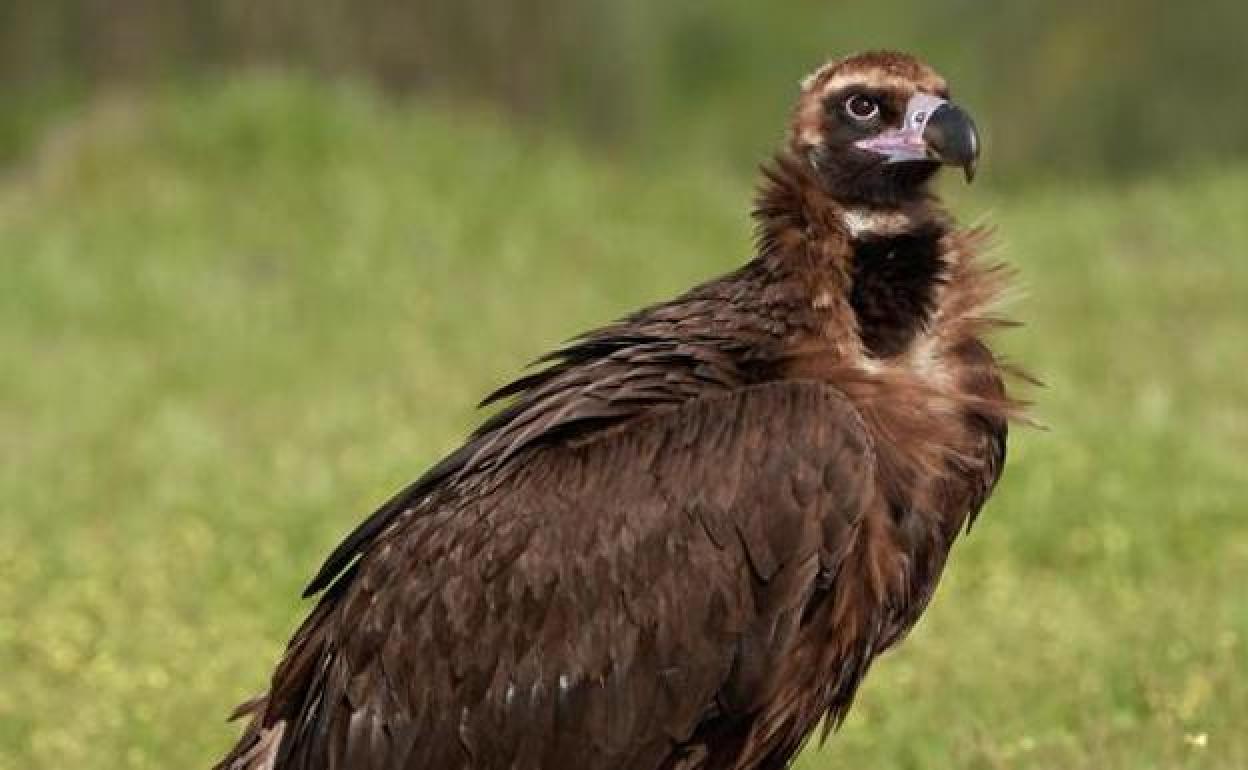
953 139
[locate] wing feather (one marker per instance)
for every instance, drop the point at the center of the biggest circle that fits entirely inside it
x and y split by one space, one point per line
596 605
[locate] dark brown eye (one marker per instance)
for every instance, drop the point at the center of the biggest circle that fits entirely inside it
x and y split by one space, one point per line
861 107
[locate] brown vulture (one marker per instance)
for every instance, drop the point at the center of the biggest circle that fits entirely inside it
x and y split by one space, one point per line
682 541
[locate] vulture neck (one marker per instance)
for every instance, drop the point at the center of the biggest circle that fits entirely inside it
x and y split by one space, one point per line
874 271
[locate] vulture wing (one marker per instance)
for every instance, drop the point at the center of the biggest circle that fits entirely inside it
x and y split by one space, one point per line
594 606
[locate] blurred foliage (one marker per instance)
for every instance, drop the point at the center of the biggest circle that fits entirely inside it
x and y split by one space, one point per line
246 313
246 307
1061 88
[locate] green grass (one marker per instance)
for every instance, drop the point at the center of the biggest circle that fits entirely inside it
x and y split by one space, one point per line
233 320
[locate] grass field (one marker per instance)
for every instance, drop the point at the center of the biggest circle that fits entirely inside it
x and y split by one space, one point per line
233 320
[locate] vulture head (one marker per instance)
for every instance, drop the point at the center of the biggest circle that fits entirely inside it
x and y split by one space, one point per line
876 127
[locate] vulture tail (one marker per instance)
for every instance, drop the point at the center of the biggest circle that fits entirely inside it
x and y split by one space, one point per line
258 746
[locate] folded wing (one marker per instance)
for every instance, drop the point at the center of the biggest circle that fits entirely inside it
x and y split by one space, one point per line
596 604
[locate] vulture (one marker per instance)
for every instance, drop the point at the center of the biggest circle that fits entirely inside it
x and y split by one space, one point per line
681 541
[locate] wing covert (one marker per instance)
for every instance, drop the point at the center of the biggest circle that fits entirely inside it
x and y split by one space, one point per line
597 604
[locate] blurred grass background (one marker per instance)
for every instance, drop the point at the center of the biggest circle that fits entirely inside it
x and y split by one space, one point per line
258 261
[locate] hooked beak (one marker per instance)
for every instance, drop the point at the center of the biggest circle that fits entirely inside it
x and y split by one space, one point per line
933 129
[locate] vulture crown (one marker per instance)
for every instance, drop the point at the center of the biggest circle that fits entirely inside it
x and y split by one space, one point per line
683 539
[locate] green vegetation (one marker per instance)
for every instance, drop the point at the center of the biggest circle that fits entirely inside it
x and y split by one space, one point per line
234 319
1115 89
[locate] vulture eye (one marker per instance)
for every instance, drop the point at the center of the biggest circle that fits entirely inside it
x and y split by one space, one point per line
862 107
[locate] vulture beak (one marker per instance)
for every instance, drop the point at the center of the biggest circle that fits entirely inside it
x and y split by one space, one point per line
932 129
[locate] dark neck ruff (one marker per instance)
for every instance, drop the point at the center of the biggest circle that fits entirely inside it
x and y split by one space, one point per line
893 286
889 281
793 213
